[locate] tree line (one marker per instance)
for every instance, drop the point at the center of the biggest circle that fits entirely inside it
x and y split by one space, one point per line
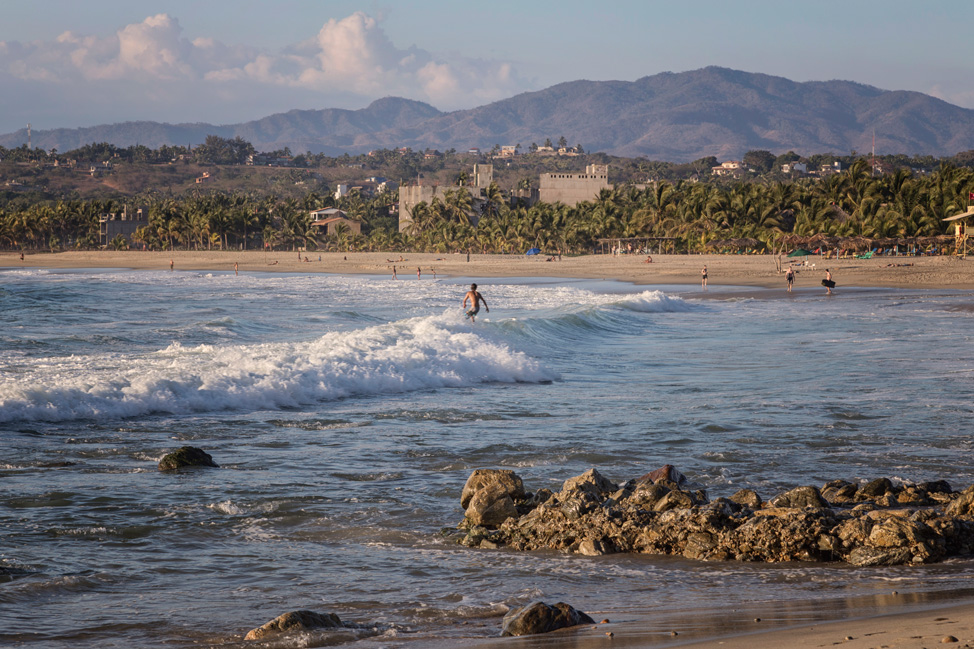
854 202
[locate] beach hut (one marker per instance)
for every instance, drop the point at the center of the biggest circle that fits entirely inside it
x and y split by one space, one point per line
960 231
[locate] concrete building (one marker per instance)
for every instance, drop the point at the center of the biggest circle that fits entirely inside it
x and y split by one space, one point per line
412 195
572 189
113 225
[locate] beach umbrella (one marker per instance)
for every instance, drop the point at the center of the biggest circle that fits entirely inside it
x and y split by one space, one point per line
800 252
533 251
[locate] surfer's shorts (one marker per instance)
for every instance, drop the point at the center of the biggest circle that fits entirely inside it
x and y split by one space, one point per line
472 312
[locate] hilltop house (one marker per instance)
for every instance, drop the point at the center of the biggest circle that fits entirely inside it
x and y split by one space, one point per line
729 168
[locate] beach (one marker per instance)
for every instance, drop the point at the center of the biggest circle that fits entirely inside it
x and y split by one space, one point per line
346 412
723 270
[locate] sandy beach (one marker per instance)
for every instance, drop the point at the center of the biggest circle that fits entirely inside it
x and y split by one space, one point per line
723 270
901 624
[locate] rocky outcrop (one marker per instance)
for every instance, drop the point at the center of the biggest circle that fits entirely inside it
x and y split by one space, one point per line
295 621
186 456
542 618
869 523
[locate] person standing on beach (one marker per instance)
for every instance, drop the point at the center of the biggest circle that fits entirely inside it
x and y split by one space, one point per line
703 278
828 281
790 276
170 264
235 268
393 271
419 273
475 298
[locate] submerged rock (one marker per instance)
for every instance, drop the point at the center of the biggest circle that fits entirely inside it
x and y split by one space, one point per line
869 523
186 456
542 618
295 621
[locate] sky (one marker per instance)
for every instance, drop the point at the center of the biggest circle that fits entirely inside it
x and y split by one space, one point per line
67 63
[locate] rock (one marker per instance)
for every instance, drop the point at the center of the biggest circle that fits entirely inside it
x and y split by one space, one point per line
747 498
491 506
186 456
800 497
483 478
542 618
866 556
874 489
647 495
588 518
963 505
839 492
590 481
665 472
937 486
295 621
674 500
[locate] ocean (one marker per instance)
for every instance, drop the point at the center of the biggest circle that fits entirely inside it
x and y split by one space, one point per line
346 413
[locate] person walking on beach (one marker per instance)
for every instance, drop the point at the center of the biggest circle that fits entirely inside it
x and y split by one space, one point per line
828 281
790 276
703 278
475 298
393 271
419 273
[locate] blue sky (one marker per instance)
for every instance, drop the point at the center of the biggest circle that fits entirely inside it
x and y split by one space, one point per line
66 63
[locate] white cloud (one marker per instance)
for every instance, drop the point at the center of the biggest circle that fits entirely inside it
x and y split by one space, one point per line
350 57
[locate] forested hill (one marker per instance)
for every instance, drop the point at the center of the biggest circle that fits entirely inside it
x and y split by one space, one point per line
670 116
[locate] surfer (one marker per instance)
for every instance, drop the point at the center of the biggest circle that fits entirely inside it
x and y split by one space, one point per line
475 298
827 282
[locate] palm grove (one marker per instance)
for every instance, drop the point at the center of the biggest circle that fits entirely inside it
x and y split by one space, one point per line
692 214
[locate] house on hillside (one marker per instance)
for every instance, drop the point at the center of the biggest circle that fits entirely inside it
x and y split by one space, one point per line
328 220
729 168
794 168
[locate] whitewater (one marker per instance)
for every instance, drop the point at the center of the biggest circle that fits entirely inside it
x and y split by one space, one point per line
347 412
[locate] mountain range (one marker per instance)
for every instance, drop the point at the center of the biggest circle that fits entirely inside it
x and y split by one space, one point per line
675 117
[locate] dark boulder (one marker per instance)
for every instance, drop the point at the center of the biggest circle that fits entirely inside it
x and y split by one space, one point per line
874 489
542 618
295 621
186 456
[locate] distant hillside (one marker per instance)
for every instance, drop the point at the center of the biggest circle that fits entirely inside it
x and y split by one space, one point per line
670 116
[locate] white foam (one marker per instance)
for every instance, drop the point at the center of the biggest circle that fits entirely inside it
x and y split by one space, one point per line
416 354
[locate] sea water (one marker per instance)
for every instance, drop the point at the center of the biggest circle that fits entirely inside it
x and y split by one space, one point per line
346 413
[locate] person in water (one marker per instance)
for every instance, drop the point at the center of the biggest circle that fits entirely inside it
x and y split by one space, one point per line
703 278
475 298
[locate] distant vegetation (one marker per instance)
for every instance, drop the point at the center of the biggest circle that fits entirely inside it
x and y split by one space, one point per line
48 207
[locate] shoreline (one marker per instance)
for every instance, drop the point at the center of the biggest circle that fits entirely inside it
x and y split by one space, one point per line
757 271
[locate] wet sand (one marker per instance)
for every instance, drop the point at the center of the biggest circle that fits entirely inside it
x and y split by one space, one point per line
723 270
